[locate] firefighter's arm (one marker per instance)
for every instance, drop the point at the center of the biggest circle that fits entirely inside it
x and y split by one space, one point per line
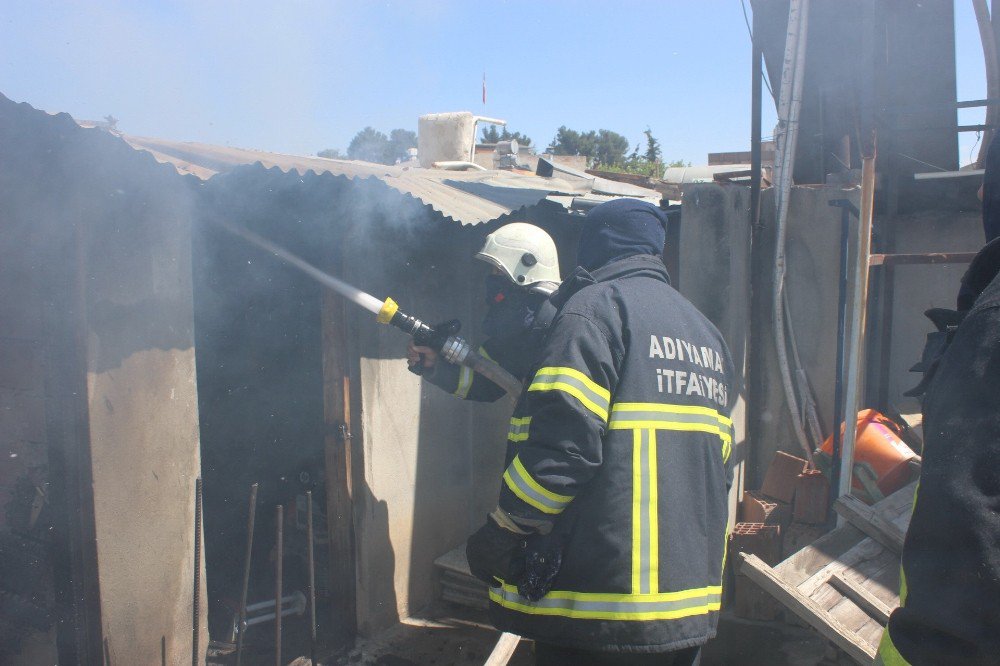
461 381
568 401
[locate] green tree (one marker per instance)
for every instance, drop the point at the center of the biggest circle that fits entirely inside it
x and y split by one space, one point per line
400 140
603 147
369 145
678 163
492 135
652 146
610 148
332 153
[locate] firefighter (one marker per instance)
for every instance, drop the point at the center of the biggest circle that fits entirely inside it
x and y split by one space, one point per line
607 545
524 273
950 582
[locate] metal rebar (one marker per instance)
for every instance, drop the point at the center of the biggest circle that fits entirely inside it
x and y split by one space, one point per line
312 577
241 628
196 596
279 547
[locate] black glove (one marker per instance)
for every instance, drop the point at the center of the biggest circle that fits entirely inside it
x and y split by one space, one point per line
490 551
534 569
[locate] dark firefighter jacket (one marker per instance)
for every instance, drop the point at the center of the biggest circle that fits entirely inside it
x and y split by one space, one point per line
950 592
621 442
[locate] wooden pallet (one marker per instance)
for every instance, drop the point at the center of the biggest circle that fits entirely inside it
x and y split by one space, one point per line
846 583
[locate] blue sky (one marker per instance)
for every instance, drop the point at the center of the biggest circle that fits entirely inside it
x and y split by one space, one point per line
299 76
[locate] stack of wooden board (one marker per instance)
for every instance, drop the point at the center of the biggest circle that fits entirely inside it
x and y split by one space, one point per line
458 585
846 583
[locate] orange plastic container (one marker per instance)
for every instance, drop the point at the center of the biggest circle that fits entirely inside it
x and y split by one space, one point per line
880 446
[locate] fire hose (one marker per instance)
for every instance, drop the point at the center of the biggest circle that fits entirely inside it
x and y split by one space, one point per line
442 338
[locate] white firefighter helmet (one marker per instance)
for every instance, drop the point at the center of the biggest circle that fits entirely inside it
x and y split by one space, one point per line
525 253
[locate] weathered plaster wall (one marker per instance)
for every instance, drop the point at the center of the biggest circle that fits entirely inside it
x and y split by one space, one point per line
143 417
105 232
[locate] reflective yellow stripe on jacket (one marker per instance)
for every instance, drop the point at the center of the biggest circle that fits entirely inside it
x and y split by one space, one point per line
518 430
531 492
609 606
657 416
888 655
466 377
589 393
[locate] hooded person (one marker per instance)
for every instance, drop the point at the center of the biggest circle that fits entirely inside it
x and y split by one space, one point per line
524 274
608 540
949 600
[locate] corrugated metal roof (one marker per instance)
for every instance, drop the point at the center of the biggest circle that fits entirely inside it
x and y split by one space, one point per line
468 197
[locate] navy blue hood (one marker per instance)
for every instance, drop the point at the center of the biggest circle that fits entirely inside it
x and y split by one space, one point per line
618 229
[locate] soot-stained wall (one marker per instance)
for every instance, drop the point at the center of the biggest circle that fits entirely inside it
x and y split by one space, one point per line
96 269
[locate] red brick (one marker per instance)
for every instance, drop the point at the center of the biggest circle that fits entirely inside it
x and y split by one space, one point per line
755 507
812 498
758 539
782 474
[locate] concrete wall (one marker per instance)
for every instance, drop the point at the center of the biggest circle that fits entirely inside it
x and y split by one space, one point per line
108 235
714 274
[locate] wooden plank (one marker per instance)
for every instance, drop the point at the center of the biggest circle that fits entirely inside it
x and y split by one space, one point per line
503 650
763 575
802 565
866 550
862 597
868 520
338 463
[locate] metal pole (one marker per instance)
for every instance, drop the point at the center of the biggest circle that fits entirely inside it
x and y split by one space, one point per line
312 578
196 597
838 402
859 309
251 519
279 547
756 98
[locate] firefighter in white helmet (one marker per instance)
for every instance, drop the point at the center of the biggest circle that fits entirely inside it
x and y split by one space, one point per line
525 272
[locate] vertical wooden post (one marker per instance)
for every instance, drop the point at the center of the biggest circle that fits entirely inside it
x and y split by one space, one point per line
339 486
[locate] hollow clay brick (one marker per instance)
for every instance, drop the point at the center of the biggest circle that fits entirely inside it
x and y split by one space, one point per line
782 475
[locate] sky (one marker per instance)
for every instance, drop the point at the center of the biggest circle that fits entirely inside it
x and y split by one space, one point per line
300 76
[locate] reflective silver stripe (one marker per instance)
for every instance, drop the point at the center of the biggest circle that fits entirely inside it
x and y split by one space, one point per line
643 490
591 395
630 416
518 431
618 416
613 607
530 491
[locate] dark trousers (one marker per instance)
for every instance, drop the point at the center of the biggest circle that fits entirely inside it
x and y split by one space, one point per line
547 654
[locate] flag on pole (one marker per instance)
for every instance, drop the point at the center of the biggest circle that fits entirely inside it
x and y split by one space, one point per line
484 88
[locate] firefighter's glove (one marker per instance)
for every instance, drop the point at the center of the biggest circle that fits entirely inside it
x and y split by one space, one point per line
537 566
491 550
